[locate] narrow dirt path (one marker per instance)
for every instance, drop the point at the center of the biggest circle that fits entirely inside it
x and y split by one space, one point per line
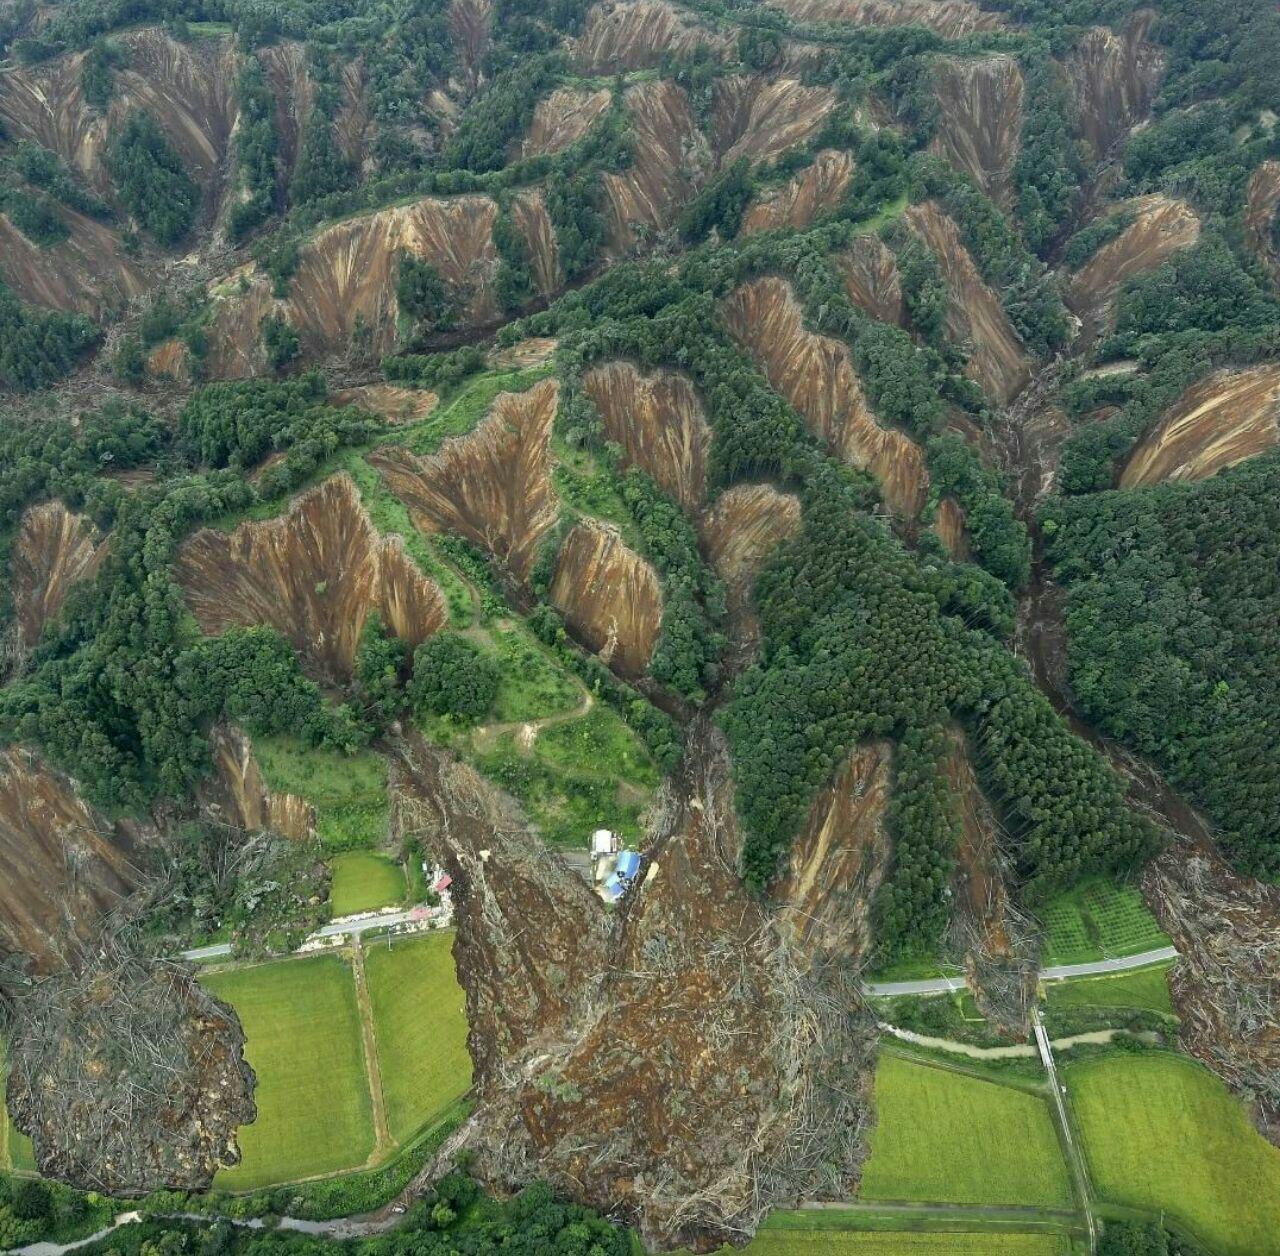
527 731
373 1070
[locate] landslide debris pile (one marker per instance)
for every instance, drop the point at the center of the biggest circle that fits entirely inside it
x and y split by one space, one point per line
687 1036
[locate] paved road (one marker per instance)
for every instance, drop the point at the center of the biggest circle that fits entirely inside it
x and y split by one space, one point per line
1058 972
356 925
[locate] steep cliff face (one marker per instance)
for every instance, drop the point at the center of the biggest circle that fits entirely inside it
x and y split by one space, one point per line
396 405
610 597
1161 227
52 550
1222 420
636 35
667 1036
949 18
871 279
471 25
530 218
1114 79
838 861
975 318
285 65
816 190
759 118
671 158
189 88
493 486
980 119
238 795
952 529
658 422
562 119
1261 202
314 574
815 374
63 867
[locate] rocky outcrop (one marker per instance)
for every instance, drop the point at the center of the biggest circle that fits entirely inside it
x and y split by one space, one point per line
1221 420
238 795
1160 228
815 374
952 529
53 550
530 218
871 279
980 119
760 118
671 159
838 861
666 1035
975 319
562 119
1261 202
816 190
493 486
314 574
636 35
1113 80
63 867
949 18
610 597
658 422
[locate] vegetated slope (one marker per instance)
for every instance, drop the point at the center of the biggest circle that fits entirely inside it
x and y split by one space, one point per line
975 319
315 574
1261 202
492 487
658 422
949 18
1160 228
609 595
871 279
636 35
817 189
980 103
1222 420
237 793
1114 79
533 223
668 1036
562 119
53 549
816 375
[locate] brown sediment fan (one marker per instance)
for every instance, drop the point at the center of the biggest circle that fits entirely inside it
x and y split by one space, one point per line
980 119
816 190
1222 420
493 486
315 574
53 550
815 374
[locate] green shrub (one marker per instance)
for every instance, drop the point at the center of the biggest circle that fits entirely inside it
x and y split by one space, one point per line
451 676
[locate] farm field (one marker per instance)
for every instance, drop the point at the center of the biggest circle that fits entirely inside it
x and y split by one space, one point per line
420 1026
303 1030
943 1137
364 881
1146 988
1098 920
783 1236
1162 1133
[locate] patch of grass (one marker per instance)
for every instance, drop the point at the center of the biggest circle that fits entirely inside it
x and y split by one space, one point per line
533 685
775 1240
466 406
365 881
1145 988
915 969
942 1137
349 792
1162 1133
302 1027
420 1023
585 491
1098 920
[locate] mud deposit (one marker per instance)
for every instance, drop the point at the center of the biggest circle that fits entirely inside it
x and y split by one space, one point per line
680 1061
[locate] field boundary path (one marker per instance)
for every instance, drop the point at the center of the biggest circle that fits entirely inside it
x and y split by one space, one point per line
372 1068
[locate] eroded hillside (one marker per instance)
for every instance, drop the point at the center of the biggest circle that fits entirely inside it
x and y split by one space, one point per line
238 795
949 18
53 549
760 118
1113 80
871 279
1262 200
636 35
980 106
562 119
806 196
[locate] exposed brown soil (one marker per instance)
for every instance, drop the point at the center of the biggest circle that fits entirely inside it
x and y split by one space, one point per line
470 24
952 529
63 867
636 35
1113 80
168 360
975 319
949 18
314 574
610 597
1161 228
238 795
53 550
760 118
285 65
816 190
658 422
839 860
530 218
980 119
871 279
1222 420
815 374
533 351
1261 202
673 1062
396 405
493 486
562 119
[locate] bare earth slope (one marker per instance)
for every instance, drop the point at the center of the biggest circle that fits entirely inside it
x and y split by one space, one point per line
1113 81
53 550
804 197
980 124
949 18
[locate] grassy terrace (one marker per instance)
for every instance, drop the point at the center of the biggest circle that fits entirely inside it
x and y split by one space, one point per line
1145 989
365 881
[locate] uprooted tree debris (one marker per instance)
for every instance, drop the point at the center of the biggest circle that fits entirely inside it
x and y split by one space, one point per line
681 1061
